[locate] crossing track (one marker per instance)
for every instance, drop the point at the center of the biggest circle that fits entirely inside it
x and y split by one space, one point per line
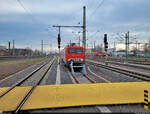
33 87
131 73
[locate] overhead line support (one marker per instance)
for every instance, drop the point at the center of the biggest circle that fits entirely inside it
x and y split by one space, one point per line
83 27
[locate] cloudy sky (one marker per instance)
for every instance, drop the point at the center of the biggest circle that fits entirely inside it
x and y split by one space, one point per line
30 21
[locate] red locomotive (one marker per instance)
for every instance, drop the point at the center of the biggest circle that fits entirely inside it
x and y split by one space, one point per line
74 57
73 54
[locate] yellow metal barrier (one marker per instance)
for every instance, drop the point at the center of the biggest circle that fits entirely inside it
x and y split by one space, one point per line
52 96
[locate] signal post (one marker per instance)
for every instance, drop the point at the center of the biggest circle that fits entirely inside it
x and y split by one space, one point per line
105 47
59 40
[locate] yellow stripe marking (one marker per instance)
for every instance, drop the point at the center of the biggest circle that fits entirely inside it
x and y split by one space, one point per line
145 93
146 98
145 102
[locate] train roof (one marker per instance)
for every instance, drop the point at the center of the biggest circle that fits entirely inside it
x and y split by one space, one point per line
74 47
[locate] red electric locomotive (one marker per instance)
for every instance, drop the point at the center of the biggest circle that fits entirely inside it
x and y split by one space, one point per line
74 57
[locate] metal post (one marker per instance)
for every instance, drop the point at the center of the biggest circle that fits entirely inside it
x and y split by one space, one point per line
59 49
94 47
84 29
79 40
70 42
13 47
9 47
139 46
59 29
128 43
136 48
126 46
114 49
42 47
13 44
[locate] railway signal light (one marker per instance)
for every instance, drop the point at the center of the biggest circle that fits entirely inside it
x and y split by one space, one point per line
105 42
106 45
105 38
59 40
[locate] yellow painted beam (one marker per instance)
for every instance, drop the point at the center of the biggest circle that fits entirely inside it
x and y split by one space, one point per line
10 101
53 96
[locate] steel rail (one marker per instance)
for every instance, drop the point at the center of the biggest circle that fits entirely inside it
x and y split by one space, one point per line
142 62
130 65
22 80
32 89
91 80
123 71
76 80
86 76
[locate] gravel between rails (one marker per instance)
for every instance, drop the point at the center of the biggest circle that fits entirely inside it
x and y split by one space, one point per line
127 72
112 76
18 76
50 78
146 71
35 77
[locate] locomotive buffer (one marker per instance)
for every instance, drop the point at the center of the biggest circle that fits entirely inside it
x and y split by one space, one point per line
79 67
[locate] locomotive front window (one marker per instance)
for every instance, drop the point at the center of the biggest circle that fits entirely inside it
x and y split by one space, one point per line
79 50
75 50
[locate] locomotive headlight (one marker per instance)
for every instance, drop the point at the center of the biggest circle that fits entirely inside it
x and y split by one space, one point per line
75 60
81 59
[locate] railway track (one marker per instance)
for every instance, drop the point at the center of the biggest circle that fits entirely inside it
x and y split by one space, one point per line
33 87
130 65
145 61
130 73
85 76
76 80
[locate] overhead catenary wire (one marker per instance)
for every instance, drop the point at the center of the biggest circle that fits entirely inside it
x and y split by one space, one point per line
31 15
29 12
99 5
92 13
94 33
26 10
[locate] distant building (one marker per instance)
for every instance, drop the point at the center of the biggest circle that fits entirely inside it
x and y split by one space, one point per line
122 53
4 53
2 47
139 53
